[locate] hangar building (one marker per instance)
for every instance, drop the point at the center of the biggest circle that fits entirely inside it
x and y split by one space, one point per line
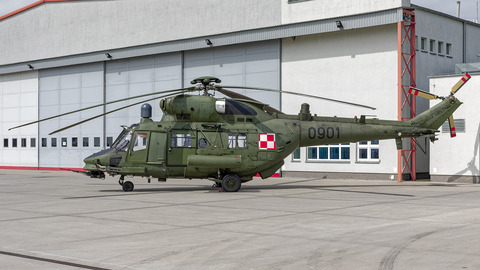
58 56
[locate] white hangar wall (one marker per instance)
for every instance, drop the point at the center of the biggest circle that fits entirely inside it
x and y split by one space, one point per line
301 11
55 29
355 65
457 159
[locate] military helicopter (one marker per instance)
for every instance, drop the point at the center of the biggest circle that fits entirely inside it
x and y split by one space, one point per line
230 140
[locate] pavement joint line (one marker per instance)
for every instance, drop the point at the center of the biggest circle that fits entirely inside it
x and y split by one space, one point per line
76 265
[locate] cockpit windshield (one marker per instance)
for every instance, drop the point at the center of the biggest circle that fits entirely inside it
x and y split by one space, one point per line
123 140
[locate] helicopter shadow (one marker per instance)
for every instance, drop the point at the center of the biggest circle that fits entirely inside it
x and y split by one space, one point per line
471 166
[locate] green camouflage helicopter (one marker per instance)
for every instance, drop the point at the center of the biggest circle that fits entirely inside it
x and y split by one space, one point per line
231 140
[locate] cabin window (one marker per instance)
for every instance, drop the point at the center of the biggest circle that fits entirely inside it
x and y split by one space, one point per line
202 143
140 142
368 151
182 140
231 140
242 140
329 152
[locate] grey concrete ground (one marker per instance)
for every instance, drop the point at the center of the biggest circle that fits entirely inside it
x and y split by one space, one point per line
63 220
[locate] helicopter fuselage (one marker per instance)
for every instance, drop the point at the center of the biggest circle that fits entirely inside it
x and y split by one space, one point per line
204 137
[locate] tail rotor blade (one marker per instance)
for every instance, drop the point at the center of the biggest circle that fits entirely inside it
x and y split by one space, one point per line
421 93
460 83
451 123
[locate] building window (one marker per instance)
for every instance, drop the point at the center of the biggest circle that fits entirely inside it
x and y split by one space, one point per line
448 50
64 142
329 152
14 142
33 142
5 142
368 151
459 126
96 141
74 142
23 142
432 45
296 154
85 142
109 141
424 44
44 142
54 142
440 47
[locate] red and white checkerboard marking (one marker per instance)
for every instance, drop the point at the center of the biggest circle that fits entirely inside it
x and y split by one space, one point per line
266 141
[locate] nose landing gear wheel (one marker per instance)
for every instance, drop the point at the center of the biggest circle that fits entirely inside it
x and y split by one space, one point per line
127 186
231 183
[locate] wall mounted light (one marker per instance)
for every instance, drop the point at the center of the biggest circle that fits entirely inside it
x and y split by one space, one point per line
339 24
29 66
209 43
108 56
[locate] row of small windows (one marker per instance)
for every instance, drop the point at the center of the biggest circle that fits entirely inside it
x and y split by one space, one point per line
64 142
434 47
366 151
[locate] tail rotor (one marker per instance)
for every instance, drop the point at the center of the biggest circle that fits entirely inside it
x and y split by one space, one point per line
430 96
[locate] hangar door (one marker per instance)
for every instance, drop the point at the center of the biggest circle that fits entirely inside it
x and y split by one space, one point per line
63 90
249 64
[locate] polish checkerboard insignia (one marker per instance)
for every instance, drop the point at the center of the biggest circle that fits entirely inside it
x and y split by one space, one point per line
266 141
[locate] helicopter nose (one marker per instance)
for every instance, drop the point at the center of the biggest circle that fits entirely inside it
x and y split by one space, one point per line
101 158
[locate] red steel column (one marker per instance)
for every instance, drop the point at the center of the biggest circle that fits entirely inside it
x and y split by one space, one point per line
406 78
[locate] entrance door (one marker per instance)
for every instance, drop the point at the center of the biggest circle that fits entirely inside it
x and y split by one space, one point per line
181 143
139 149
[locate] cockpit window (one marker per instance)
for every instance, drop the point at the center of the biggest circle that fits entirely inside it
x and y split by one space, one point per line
140 142
123 140
237 108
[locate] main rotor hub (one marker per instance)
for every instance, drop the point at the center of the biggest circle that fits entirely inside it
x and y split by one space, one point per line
205 84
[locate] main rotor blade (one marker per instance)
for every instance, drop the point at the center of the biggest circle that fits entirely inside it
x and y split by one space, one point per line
124 107
421 93
232 94
95 106
460 83
298 94
451 124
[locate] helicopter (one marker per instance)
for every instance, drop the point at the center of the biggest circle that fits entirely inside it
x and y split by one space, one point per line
231 140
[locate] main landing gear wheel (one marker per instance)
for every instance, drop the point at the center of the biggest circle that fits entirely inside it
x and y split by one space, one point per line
128 186
231 183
